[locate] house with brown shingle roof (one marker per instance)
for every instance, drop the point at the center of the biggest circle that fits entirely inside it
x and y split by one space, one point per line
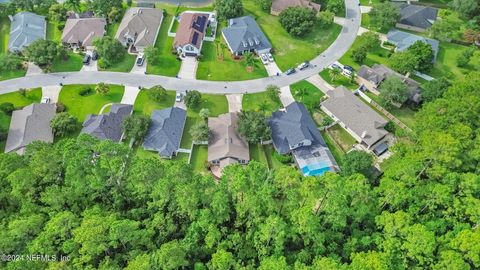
190 33
225 145
279 5
80 32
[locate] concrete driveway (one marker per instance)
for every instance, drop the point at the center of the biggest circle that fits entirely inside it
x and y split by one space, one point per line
180 104
51 92
320 83
139 69
188 69
234 102
33 69
285 94
130 95
93 66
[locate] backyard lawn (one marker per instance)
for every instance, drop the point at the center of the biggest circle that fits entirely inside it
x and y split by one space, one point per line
143 103
306 93
253 102
167 64
4 33
341 137
90 103
336 151
123 66
199 157
290 51
340 80
257 153
404 113
52 31
73 63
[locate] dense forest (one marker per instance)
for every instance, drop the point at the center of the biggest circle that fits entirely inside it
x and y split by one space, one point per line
105 208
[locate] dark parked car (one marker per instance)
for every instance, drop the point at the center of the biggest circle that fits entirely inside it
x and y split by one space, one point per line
290 71
94 56
349 68
86 59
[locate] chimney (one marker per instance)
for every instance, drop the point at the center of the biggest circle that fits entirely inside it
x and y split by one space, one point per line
364 134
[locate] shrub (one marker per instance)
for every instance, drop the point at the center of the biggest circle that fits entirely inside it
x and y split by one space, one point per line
61 107
285 159
7 107
86 91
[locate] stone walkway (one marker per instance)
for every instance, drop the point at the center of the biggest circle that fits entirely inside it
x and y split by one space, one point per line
234 102
51 92
130 95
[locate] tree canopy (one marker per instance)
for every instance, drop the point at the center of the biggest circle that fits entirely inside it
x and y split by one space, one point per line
228 9
298 21
110 50
252 125
384 15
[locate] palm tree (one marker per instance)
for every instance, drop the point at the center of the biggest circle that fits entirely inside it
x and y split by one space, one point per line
302 92
263 107
249 59
334 72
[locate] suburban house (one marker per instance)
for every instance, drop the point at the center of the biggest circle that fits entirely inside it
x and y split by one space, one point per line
403 40
243 34
25 28
416 18
108 126
280 5
139 28
30 124
357 118
80 33
372 77
190 33
225 145
295 132
165 131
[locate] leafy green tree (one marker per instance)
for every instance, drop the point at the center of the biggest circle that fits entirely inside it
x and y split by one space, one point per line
265 4
110 50
335 6
200 132
57 12
115 14
10 62
357 162
403 62
228 9
370 40
298 21
393 91
136 126
73 5
273 93
43 52
424 54
384 15
204 113
6 9
7 107
253 126
325 18
104 7
334 73
434 89
63 124
249 59
193 98
171 255
466 8
359 54
444 29
157 93
464 58
102 88
222 259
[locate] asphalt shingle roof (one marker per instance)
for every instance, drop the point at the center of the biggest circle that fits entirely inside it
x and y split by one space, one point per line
417 16
25 28
243 33
108 126
403 40
142 23
83 31
165 132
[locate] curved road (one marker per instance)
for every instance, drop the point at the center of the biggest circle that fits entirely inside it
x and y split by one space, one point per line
333 53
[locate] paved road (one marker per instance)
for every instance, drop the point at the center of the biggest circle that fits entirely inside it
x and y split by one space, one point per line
333 53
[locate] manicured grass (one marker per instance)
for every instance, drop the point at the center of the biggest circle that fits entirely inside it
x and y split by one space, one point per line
123 66
272 161
341 136
145 105
112 29
52 31
72 63
376 56
174 26
312 96
228 69
257 153
199 157
167 64
369 2
337 153
4 33
404 113
7 75
253 102
340 80
80 106
291 51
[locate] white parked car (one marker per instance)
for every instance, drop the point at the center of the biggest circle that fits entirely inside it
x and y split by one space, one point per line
270 57
264 58
178 97
45 100
303 65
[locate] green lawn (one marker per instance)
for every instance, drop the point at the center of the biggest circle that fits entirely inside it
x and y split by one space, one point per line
342 137
73 63
143 104
123 66
228 69
4 33
52 31
80 106
312 95
290 51
376 56
112 29
272 161
340 80
7 75
257 153
337 152
216 104
252 102
167 64
404 114
199 157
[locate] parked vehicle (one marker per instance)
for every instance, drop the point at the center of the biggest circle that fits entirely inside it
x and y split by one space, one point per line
140 60
94 56
270 57
335 66
86 59
264 59
178 97
45 100
290 71
303 65
349 68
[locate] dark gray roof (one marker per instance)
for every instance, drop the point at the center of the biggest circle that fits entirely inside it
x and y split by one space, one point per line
356 115
165 131
25 28
243 33
30 124
108 126
403 40
417 16
146 4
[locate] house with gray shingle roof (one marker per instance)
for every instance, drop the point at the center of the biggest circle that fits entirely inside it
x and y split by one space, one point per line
30 124
356 117
244 34
25 28
165 132
403 40
108 126
416 18
80 33
295 132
